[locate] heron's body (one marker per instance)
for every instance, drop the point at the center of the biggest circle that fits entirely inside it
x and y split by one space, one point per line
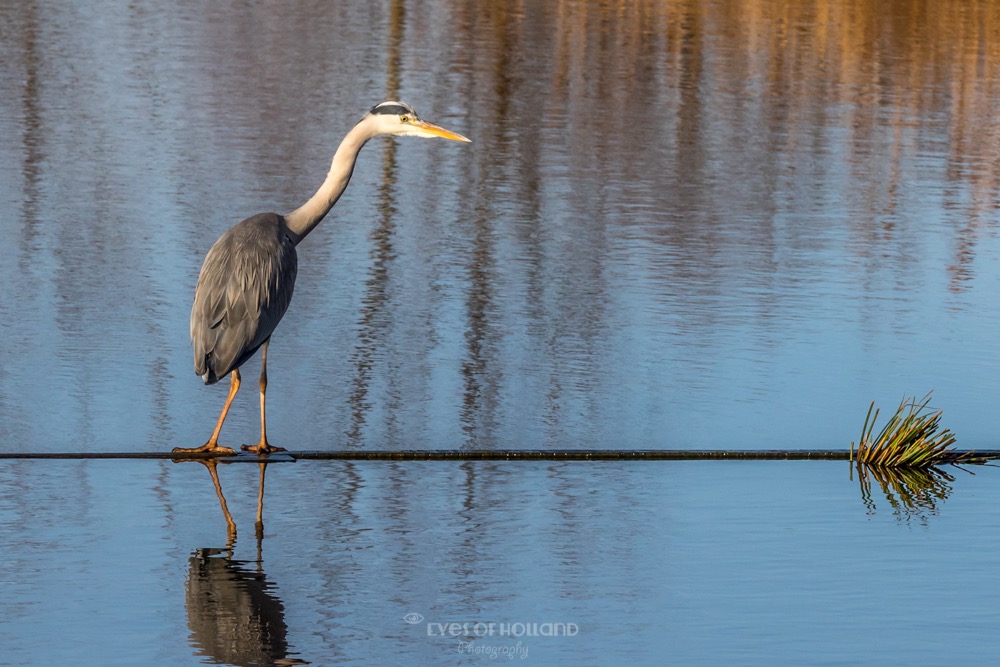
243 291
247 279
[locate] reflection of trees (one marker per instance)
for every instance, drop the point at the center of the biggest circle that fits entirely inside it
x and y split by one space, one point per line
679 167
376 302
913 494
719 106
234 613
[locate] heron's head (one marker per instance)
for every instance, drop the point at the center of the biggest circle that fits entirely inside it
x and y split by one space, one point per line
399 119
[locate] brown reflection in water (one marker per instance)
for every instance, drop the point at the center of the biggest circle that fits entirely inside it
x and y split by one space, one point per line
33 141
22 28
496 155
913 495
480 376
234 614
376 299
689 106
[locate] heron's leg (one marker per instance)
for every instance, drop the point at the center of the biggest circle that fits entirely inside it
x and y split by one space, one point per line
213 443
263 447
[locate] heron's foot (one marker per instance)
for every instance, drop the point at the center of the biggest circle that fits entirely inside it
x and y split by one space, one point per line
262 448
207 448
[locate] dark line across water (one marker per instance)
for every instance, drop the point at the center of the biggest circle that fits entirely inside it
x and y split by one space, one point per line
483 455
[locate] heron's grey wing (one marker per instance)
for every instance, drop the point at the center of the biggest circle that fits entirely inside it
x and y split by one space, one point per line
244 289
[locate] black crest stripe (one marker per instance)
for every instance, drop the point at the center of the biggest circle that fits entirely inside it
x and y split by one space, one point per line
393 109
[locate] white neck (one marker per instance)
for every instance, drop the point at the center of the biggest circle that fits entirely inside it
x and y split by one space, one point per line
304 219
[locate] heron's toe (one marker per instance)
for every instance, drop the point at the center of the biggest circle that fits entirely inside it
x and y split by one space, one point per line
263 448
206 449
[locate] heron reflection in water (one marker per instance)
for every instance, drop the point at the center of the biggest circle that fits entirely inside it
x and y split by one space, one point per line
246 281
234 613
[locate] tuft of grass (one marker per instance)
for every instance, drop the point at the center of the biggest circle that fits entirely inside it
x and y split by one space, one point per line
912 438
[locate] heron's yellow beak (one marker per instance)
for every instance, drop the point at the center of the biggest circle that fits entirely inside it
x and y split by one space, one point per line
438 131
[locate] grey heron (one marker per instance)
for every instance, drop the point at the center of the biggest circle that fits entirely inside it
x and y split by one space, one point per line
246 281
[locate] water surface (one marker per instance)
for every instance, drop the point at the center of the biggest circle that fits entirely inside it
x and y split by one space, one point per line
694 224
651 563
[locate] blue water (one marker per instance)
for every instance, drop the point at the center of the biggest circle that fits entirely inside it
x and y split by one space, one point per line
678 225
642 563
738 249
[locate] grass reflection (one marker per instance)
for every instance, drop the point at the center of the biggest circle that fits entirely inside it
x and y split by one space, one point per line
913 494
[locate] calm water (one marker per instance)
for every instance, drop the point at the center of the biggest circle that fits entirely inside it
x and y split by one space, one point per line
691 224
679 225
652 563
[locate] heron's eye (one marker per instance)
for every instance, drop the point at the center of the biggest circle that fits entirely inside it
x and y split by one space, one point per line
405 119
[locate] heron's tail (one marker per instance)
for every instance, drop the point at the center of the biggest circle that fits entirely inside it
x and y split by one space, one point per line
206 370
